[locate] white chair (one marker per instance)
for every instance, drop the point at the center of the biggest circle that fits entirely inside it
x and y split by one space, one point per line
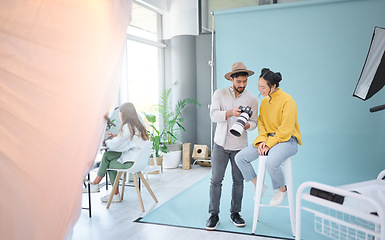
258 193
152 168
139 164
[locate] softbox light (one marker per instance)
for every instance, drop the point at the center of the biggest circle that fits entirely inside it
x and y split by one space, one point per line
372 77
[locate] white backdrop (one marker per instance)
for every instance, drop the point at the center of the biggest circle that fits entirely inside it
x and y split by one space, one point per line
60 64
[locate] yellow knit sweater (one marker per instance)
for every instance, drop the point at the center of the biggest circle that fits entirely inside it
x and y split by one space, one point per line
279 116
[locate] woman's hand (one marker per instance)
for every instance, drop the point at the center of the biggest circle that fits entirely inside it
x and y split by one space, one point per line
263 149
111 135
261 146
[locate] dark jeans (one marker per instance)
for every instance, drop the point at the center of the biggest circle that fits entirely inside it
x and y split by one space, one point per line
219 161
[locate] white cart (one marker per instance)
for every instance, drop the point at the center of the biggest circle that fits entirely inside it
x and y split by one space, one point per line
360 216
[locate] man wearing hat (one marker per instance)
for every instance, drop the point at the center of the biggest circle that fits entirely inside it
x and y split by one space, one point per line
225 111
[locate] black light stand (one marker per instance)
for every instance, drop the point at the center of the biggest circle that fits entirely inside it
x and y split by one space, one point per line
377 108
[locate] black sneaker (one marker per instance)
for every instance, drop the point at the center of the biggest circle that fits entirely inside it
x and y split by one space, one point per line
237 220
212 222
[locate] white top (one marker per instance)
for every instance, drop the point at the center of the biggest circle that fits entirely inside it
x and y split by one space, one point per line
224 99
124 144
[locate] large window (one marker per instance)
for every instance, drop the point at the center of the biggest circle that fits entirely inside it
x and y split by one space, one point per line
144 58
144 23
143 75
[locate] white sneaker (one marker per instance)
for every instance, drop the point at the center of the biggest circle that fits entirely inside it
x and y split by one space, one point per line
278 198
93 188
115 198
264 188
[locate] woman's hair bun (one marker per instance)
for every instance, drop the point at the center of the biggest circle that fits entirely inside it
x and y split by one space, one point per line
270 76
277 77
264 70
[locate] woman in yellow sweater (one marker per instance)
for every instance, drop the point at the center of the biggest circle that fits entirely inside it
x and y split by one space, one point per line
278 137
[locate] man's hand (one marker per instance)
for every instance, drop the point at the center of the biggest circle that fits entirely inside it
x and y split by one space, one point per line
233 112
236 112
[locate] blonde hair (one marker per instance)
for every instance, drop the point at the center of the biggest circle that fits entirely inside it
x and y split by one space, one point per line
130 117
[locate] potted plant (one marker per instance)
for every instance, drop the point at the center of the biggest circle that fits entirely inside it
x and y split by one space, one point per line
112 122
172 121
156 139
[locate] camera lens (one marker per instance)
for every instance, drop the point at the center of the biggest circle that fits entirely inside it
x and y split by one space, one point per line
239 125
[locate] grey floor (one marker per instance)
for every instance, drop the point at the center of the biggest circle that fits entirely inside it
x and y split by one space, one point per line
117 222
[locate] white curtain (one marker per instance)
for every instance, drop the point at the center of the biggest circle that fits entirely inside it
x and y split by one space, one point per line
59 74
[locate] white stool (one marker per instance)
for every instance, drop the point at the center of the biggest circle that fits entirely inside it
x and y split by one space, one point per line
258 193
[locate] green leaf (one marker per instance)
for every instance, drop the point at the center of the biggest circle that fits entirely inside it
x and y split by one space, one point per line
170 118
181 127
150 117
164 149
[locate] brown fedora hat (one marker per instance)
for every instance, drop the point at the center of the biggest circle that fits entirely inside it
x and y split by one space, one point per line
238 67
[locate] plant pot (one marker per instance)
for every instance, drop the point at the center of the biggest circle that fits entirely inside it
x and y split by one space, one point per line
173 158
174 147
159 161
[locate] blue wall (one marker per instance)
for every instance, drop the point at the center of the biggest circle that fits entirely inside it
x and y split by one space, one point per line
320 48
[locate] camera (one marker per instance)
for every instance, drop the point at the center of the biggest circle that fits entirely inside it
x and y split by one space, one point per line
239 125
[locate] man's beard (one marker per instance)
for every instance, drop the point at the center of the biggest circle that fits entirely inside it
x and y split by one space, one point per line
239 91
